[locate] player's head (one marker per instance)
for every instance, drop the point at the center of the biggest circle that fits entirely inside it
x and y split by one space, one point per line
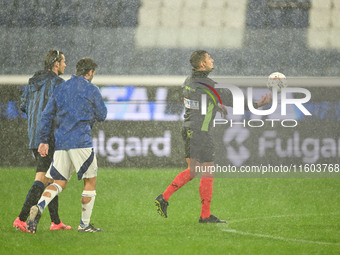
55 61
86 67
200 60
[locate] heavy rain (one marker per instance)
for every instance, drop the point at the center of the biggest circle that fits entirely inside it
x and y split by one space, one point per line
143 50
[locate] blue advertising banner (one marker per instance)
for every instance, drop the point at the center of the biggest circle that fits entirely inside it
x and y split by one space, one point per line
143 129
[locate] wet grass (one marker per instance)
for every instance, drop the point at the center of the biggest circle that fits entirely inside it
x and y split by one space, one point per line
266 216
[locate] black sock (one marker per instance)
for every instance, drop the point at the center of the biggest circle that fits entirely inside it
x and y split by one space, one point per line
32 198
53 208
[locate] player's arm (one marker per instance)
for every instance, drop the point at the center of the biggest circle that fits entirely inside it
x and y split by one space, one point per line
265 100
46 124
43 149
222 109
227 99
24 100
100 109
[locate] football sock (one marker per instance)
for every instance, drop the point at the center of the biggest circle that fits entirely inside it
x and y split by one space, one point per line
32 198
48 196
181 179
206 190
89 196
53 208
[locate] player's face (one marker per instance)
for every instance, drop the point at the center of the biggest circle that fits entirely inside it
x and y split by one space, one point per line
208 63
91 75
62 65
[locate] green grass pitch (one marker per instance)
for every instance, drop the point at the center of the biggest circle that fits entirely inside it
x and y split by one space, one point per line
266 216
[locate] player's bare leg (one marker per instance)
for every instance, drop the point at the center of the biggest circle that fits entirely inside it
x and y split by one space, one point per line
40 182
87 201
49 194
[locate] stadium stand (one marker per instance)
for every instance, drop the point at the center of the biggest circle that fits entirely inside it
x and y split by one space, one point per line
43 13
127 16
188 24
155 37
5 16
324 24
85 15
278 14
19 11
65 13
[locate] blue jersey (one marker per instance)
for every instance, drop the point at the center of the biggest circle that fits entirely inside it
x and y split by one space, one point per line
34 99
75 105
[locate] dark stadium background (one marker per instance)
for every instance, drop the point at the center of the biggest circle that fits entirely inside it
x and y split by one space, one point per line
138 39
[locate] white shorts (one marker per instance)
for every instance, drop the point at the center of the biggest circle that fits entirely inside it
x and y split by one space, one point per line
65 162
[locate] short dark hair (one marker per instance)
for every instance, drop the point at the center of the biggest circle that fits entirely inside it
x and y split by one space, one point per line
197 57
51 57
84 66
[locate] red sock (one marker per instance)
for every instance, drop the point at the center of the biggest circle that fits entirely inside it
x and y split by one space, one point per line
206 190
181 179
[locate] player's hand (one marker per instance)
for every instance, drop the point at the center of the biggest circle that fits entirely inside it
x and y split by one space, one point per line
223 110
43 149
265 100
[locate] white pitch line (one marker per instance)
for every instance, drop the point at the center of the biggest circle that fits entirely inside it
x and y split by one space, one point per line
281 216
261 217
234 231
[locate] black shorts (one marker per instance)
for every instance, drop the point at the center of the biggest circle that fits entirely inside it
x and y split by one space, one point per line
198 145
43 163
